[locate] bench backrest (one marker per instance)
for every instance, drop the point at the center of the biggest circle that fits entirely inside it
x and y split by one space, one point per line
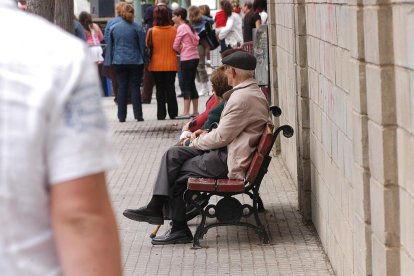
263 148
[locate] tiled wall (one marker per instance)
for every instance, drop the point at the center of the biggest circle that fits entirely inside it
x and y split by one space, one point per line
343 74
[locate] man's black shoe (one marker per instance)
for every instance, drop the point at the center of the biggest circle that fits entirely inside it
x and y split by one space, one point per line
180 236
145 214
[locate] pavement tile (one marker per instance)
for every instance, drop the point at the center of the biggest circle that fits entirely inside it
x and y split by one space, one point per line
294 248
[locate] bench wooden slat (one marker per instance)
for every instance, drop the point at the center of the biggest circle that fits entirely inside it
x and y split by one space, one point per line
201 184
265 143
230 185
234 185
215 185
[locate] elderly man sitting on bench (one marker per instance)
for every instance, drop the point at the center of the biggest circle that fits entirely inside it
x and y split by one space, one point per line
224 151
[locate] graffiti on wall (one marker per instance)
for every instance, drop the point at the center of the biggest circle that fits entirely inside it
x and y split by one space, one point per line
261 52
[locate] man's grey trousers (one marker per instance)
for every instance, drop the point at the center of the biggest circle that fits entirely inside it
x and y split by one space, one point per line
177 164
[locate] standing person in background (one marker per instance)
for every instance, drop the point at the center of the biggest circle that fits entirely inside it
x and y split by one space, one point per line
78 30
198 22
126 54
205 10
163 64
93 36
149 13
186 43
232 32
251 21
246 8
221 18
118 18
260 7
147 90
56 216
236 6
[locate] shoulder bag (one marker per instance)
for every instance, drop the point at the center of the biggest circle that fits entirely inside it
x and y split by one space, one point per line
148 49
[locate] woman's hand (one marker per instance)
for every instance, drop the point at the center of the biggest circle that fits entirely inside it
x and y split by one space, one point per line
186 126
198 133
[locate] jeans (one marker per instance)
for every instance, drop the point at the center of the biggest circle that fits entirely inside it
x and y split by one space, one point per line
129 76
201 68
189 71
165 93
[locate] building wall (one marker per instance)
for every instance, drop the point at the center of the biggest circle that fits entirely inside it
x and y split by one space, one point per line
343 74
402 13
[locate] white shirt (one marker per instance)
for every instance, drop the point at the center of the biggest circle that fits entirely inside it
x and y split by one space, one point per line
52 129
263 17
232 32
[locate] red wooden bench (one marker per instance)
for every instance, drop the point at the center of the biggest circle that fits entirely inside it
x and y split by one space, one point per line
229 210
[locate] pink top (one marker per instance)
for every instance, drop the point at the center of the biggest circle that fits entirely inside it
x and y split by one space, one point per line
186 43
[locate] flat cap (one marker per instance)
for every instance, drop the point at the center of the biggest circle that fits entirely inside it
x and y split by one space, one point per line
241 60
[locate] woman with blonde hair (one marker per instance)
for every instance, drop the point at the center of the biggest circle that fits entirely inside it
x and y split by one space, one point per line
198 22
126 53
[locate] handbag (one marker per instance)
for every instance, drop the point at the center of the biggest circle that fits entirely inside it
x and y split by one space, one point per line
148 49
209 34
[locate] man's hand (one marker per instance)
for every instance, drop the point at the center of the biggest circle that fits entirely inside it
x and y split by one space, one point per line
198 133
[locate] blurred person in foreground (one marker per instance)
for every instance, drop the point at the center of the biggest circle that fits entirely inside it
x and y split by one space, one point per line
55 213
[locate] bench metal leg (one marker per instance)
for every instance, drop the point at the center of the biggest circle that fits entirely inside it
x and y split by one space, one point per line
198 202
220 211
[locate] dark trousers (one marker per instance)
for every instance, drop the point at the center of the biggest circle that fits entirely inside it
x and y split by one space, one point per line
178 164
180 76
189 72
223 46
129 77
165 94
146 94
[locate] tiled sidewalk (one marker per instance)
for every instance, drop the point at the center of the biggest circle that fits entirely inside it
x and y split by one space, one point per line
294 249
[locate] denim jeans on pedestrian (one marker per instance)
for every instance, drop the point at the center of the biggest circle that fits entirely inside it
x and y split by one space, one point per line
129 76
189 71
202 75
